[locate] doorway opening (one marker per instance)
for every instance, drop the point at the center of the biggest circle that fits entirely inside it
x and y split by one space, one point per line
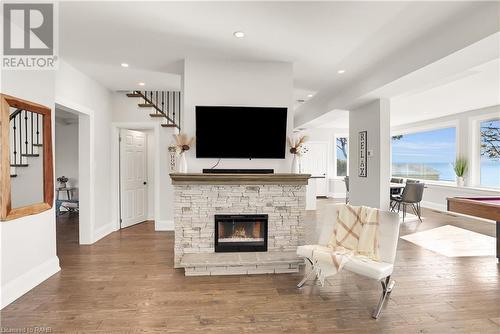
67 174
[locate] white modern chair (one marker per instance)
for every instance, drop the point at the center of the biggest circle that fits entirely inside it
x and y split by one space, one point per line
380 271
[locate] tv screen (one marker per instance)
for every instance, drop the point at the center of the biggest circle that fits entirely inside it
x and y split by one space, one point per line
240 132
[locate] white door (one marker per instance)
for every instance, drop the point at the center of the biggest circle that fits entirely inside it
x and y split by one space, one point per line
133 177
315 162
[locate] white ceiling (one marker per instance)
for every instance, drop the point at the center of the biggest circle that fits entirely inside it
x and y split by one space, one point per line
318 37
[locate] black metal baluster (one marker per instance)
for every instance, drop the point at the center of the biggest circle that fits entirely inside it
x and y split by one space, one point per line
163 102
26 131
173 106
15 141
179 124
31 133
168 106
20 138
37 131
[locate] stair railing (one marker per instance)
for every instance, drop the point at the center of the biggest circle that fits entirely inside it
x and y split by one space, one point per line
165 103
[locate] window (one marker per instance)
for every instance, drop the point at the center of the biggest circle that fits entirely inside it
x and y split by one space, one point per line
490 153
341 154
427 155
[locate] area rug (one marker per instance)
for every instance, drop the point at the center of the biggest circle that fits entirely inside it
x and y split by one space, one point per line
454 241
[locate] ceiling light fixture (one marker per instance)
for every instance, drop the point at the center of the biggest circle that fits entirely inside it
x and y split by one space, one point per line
341 71
124 64
310 95
141 83
239 34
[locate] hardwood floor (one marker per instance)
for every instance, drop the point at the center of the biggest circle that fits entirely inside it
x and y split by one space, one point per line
125 283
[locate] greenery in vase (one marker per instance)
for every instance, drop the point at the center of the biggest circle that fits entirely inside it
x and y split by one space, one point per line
460 166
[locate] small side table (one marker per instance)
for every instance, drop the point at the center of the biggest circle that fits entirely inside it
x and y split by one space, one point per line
69 199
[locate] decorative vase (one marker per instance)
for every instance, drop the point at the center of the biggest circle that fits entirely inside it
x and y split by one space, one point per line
183 163
296 164
62 185
460 181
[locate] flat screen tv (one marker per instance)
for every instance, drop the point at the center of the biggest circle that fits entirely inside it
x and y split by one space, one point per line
240 132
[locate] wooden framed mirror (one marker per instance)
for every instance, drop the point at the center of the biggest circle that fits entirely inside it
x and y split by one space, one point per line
26 165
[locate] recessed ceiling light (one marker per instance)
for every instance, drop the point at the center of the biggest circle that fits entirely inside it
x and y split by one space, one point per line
341 71
124 64
310 95
141 83
239 34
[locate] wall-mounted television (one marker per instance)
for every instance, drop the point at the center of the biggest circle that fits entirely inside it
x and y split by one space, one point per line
241 132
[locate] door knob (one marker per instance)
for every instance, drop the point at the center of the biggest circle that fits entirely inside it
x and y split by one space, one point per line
144 183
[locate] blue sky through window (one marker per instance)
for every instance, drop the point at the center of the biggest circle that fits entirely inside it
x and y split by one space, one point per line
435 146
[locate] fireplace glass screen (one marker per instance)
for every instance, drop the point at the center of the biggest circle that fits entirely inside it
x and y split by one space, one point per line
241 233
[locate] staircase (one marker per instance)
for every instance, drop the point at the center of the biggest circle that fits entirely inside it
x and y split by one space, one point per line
163 105
25 131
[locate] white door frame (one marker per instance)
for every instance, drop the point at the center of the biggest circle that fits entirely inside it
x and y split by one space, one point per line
115 165
86 175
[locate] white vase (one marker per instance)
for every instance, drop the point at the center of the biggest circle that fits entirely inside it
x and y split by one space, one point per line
460 181
183 168
296 164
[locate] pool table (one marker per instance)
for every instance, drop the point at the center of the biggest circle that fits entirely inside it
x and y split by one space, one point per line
483 207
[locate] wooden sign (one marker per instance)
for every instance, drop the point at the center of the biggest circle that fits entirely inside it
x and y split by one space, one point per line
362 161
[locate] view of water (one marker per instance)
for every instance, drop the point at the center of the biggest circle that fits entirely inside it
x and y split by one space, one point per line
443 171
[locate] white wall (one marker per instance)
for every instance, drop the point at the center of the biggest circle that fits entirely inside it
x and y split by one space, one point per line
210 82
78 92
28 245
372 190
66 151
126 114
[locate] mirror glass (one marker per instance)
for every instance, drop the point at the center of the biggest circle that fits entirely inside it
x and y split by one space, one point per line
26 157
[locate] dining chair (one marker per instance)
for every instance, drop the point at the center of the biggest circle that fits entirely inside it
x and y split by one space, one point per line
396 191
411 196
412 181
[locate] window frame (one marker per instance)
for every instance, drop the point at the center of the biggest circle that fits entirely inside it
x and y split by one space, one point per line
431 127
335 137
475 150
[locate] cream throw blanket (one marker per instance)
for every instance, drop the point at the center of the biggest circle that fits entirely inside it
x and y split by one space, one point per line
355 234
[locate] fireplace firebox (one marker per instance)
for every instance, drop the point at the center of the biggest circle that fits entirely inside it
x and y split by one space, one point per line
241 233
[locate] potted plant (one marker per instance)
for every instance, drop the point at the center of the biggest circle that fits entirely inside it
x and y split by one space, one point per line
183 143
297 148
62 181
460 168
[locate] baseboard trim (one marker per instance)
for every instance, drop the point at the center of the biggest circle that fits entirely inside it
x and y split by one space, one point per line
103 231
164 225
27 281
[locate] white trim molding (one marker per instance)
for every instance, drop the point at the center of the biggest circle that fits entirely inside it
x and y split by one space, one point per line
164 225
27 281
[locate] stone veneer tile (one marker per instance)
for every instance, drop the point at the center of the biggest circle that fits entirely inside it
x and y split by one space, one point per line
196 205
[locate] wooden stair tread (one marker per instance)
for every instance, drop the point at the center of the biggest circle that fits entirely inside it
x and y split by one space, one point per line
30 155
145 105
157 115
134 95
13 175
19 165
38 145
169 125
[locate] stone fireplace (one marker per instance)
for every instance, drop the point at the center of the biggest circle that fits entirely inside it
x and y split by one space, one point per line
240 233
220 227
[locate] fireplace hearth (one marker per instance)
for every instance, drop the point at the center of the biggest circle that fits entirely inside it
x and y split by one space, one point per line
241 233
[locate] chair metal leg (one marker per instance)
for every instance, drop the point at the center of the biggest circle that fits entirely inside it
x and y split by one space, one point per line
387 286
308 275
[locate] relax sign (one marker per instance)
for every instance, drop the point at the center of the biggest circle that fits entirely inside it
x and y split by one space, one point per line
29 36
